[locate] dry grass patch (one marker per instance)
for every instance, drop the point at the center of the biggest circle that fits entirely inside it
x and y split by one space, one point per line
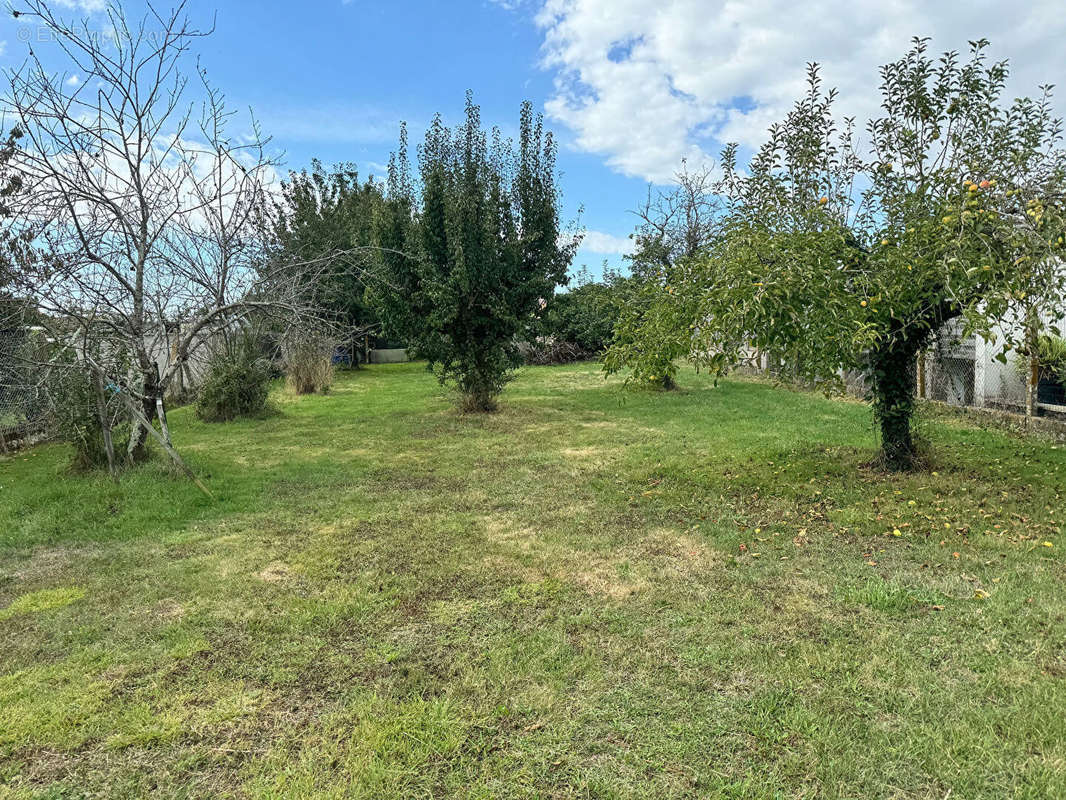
586 453
275 572
390 600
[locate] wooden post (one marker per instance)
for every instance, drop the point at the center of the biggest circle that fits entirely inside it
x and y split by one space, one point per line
173 355
160 411
1033 377
1031 398
921 375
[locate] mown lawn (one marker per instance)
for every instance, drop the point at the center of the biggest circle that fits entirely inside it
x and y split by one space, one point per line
592 593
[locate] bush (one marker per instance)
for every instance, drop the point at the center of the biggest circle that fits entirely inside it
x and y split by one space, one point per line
309 362
237 383
1051 355
75 416
584 318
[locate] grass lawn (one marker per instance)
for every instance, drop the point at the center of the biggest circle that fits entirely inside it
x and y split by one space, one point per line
592 593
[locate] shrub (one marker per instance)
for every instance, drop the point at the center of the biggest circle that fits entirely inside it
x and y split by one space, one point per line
584 317
1051 355
75 416
237 383
309 362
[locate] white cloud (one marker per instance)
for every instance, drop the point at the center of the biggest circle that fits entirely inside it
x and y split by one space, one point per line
376 168
88 6
646 85
605 244
73 80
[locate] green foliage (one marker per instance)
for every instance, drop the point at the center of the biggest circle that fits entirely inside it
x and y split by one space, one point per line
652 329
16 241
1051 356
9 419
75 414
236 384
486 227
585 316
398 238
330 215
838 261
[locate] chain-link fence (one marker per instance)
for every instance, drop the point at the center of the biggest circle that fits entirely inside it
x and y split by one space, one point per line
962 371
947 370
967 371
35 395
22 397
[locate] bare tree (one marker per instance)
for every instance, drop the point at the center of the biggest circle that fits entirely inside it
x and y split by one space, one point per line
677 223
141 205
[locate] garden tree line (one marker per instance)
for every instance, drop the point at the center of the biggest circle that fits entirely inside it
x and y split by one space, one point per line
578 324
457 261
130 234
837 256
329 215
619 317
142 234
651 328
135 224
377 279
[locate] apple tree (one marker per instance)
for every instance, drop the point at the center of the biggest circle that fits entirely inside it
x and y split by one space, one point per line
651 333
840 256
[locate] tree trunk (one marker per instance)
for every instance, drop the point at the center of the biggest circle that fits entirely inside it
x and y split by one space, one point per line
479 401
137 451
1032 377
146 426
894 381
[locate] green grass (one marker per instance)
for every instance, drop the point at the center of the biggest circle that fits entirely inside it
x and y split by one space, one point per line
592 593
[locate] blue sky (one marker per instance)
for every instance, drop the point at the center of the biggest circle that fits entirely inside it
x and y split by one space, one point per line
630 87
337 87
333 80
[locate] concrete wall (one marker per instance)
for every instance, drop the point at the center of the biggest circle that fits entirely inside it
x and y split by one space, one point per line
196 365
397 356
